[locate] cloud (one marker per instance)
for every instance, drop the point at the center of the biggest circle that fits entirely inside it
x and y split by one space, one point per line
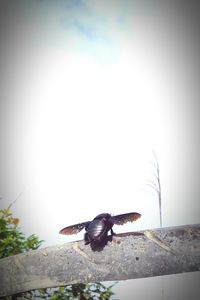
86 22
79 27
90 32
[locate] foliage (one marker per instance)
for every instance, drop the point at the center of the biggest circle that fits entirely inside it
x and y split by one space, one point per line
81 291
13 241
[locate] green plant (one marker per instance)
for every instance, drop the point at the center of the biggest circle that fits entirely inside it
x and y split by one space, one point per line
12 240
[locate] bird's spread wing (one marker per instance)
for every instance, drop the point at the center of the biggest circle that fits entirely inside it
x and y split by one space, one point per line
73 229
124 218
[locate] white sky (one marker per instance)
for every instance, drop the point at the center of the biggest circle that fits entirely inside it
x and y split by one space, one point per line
90 90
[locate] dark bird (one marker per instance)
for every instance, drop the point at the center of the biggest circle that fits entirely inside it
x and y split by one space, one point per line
97 229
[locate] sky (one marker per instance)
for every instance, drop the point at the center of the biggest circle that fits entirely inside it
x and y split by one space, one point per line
90 91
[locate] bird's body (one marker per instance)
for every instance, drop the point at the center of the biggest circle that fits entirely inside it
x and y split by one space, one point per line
97 229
